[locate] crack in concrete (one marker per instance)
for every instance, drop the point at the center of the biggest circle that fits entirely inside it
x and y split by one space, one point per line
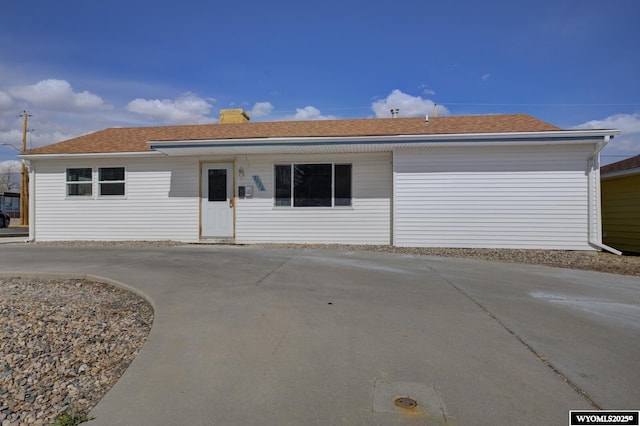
531 349
284 262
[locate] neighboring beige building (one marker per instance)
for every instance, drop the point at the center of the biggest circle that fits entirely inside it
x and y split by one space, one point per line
621 204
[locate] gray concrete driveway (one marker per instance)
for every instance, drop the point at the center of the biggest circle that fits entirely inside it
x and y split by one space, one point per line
256 336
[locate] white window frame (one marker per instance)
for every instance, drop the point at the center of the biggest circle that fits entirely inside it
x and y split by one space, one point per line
333 189
96 183
100 182
77 182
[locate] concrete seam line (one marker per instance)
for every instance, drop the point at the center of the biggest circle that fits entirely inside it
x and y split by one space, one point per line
284 262
541 358
88 277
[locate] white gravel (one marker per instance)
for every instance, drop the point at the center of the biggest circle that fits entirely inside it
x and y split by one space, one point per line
63 344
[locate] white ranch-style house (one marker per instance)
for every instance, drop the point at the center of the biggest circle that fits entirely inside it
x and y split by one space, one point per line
488 181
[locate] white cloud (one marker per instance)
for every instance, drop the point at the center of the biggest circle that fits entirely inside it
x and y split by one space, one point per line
41 136
425 89
310 113
185 109
261 109
10 164
409 106
629 124
486 77
5 101
12 137
57 95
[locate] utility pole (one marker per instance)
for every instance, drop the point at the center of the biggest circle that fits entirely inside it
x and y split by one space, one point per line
24 184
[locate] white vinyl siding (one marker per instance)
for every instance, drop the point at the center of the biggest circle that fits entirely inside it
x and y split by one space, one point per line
366 221
161 202
491 197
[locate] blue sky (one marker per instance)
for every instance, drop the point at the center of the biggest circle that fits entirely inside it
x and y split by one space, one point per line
80 66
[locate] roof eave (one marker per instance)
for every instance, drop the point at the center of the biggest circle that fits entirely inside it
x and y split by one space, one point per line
342 143
136 154
378 143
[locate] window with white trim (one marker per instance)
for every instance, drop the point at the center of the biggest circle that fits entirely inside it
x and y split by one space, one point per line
312 185
111 181
80 182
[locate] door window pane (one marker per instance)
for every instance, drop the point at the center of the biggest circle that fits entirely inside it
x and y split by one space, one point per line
218 185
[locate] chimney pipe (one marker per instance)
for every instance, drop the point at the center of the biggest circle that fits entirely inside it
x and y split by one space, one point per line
395 112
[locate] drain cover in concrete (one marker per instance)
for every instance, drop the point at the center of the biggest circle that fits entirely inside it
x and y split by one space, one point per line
414 399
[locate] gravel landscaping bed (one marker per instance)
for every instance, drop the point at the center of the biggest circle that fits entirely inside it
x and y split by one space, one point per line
587 260
63 345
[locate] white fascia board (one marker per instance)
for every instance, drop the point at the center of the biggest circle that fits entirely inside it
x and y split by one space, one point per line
384 142
478 139
136 154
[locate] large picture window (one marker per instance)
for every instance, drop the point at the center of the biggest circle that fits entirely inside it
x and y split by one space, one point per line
312 185
111 180
79 182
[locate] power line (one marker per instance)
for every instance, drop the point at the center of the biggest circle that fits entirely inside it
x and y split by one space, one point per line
477 104
537 105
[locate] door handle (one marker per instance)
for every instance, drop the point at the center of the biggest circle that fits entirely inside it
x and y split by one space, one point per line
231 203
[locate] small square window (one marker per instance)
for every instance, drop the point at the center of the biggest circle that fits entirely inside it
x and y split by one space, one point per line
111 181
79 182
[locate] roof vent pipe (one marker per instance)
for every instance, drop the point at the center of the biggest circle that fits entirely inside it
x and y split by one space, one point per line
435 110
395 112
426 119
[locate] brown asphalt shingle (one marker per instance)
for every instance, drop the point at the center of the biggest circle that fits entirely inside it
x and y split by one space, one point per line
629 163
134 139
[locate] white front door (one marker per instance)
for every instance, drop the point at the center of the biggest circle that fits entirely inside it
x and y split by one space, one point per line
217 200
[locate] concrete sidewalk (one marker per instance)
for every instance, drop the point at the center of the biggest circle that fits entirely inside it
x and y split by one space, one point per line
248 336
14 231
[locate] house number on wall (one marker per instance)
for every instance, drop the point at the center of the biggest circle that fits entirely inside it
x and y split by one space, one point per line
258 182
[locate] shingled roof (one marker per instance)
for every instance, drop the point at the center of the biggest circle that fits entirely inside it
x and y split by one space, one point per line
134 139
619 166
